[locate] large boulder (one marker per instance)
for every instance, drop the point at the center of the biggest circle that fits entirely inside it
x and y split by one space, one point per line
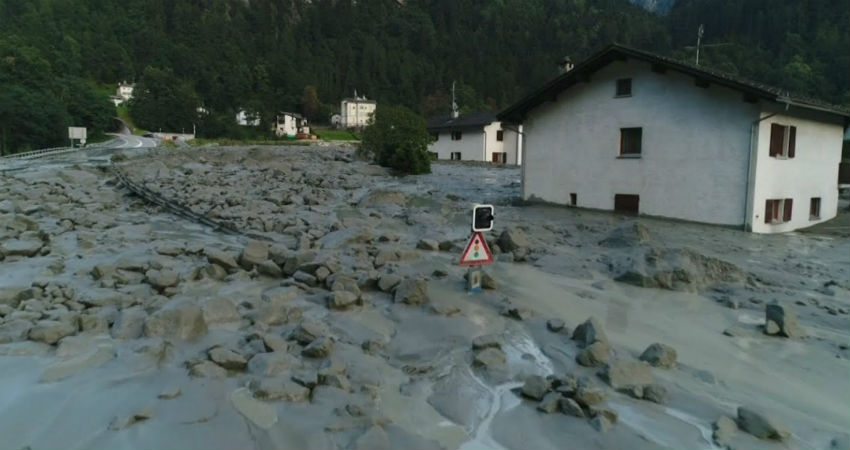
130 323
181 319
14 330
162 279
513 239
781 320
625 374
21 247
412 292
227 358
254 254
588 332
659 355
761 424
51 331
223 259
272 364
279 389
320 348
309 330
220 310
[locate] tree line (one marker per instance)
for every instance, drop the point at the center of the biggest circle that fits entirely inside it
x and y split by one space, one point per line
59 58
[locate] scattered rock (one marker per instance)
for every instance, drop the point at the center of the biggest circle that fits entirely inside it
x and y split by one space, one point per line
219 310
488 281
21 247
428 244
517 312
306 378
601 422
588 332
270 269
51 331
375 438
595 355
550 403
227 358
589 396
489 357
623 374
555 325
660 355
336 380
223 259
388 282
341 299
309 330
162 279
785 320
724 429
656 393
536 387
181 319
570 407
412 292
279 389
207 369
320 348
486 341
254 254
272 364
761 424
513 239
130 323
14 330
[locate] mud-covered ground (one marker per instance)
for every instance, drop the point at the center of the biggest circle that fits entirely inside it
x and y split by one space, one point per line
338 318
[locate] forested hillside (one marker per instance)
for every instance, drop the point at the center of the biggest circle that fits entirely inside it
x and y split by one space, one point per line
262 54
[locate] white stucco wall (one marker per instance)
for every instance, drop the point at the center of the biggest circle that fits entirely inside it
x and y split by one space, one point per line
813 172
695 146
471 145
510 146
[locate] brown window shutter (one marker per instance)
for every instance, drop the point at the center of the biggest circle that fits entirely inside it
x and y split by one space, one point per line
777 135
786 216
768 210
792 140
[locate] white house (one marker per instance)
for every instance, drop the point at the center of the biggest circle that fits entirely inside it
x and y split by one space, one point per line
248 119
474 137
631 131
123 93
355 112
290 124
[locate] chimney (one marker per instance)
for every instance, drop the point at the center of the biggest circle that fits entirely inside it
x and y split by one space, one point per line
566 65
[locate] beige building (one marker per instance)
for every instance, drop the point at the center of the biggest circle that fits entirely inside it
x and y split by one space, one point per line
355 112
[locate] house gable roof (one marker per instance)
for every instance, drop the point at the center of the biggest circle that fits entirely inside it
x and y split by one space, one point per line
616 52
466 121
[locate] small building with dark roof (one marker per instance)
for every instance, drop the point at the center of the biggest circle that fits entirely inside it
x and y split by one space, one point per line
473 137
635 132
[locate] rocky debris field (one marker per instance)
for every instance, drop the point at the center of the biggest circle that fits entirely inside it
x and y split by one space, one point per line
337 317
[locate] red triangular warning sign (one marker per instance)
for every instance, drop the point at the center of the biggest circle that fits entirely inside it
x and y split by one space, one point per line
477 252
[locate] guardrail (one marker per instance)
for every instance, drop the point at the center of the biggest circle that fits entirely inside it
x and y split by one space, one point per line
178 208
44 152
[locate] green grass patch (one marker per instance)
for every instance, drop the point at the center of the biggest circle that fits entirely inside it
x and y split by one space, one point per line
124 114
336 135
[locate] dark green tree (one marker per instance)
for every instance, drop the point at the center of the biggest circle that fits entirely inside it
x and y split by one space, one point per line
161 100
310 105
397 138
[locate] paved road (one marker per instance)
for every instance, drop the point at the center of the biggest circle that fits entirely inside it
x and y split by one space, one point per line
95 153
131 141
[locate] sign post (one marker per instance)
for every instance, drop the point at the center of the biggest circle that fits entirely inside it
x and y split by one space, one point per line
477 253
78 133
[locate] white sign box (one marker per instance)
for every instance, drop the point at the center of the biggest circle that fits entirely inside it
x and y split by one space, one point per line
77 133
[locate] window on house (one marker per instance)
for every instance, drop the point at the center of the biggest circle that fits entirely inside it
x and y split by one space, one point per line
814 208
783 140
500 135
778 210
627 203
456 135
630 141
573 199
624 87
500 157
455 156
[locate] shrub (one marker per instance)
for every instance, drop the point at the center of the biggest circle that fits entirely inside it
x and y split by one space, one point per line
397 138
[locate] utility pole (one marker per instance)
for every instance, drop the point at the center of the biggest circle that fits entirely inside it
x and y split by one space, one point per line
699 40
454 103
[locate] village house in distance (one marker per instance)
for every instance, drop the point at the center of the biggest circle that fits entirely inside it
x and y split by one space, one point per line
123 93
355 112
474 137
631 131
290 125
